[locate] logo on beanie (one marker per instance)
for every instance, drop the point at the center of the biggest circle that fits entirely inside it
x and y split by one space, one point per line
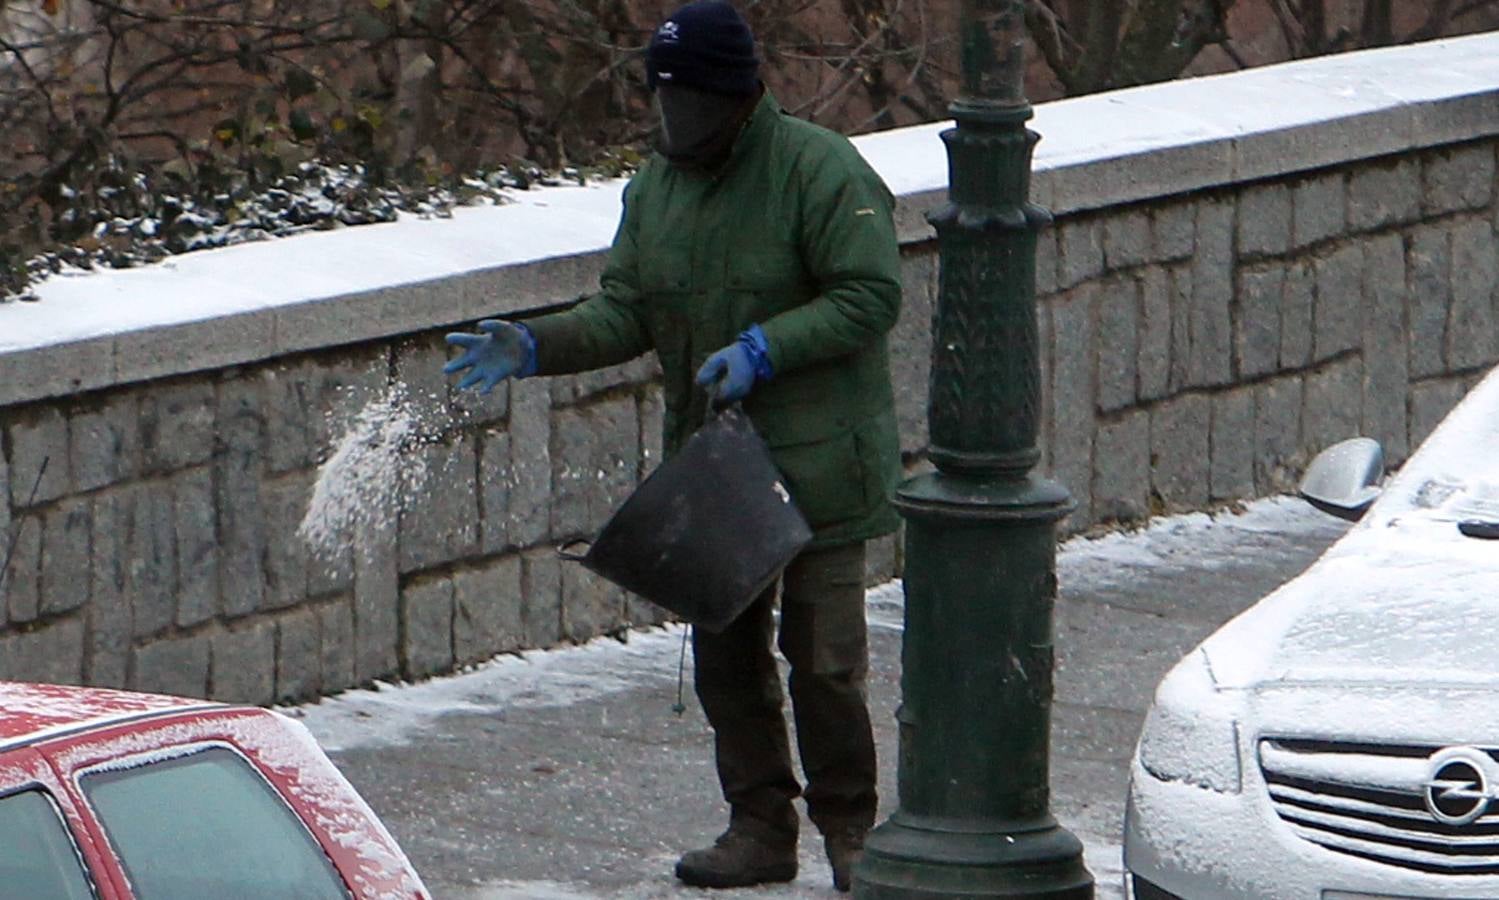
669 32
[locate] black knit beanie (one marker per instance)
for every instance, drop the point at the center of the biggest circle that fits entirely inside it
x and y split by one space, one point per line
705 45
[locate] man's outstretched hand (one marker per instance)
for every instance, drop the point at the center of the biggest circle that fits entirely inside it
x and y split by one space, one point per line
502 350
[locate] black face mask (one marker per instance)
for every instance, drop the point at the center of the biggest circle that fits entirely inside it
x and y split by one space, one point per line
695 125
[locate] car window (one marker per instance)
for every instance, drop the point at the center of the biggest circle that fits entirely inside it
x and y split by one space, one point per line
38 859
208 825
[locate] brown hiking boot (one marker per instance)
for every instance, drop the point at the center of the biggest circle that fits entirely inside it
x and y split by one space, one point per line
844 846
738 859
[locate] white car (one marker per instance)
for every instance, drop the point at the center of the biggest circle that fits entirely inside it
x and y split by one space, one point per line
1339 740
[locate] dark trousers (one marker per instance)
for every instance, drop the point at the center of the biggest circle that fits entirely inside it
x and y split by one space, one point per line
825 639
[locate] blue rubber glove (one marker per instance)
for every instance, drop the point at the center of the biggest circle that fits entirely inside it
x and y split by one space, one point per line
504 350
738 367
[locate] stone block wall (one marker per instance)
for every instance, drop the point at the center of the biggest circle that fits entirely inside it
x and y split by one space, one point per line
1198 349
1203 348
159 549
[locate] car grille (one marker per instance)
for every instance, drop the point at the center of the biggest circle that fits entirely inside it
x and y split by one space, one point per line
1369 800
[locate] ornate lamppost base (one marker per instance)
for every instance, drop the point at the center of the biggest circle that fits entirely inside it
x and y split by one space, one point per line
909 859
976 685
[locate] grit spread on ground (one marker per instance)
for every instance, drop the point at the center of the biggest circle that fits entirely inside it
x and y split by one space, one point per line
496 735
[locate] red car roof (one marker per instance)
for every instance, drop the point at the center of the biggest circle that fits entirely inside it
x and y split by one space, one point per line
30 712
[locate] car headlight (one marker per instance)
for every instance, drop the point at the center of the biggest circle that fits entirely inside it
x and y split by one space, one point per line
1191 733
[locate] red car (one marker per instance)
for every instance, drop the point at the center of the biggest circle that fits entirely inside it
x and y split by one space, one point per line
108 795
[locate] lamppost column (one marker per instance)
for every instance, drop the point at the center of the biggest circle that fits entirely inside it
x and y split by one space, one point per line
973 819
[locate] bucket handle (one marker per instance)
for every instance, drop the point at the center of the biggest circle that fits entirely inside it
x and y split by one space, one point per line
711 390
712 408
565 552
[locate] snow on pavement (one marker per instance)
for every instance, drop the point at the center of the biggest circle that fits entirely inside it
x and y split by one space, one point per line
396 714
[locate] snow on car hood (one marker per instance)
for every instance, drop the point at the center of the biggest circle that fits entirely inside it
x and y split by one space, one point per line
1403 598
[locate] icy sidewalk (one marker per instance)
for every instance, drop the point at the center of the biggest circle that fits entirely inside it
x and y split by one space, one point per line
564 775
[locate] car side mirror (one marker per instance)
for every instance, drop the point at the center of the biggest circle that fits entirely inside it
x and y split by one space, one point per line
1344 479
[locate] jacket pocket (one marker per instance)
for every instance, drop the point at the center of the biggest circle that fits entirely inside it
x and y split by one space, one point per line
760 270
826 479
877 441
844 478
761 283
665 270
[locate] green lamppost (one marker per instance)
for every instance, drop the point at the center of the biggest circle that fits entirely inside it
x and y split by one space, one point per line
980 579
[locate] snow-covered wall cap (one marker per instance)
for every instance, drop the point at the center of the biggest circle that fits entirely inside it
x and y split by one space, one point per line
1181 136
253 302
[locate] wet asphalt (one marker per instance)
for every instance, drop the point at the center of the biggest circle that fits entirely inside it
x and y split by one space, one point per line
547 794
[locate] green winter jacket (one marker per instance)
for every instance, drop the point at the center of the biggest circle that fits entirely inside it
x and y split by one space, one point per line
795 233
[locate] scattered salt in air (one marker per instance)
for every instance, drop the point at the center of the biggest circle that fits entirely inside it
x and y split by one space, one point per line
370 476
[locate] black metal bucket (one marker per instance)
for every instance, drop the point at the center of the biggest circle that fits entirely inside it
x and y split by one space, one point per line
707 532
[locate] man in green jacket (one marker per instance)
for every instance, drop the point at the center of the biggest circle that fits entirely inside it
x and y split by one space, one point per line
757 257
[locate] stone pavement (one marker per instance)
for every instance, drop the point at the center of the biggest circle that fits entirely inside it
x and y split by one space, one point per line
565 775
